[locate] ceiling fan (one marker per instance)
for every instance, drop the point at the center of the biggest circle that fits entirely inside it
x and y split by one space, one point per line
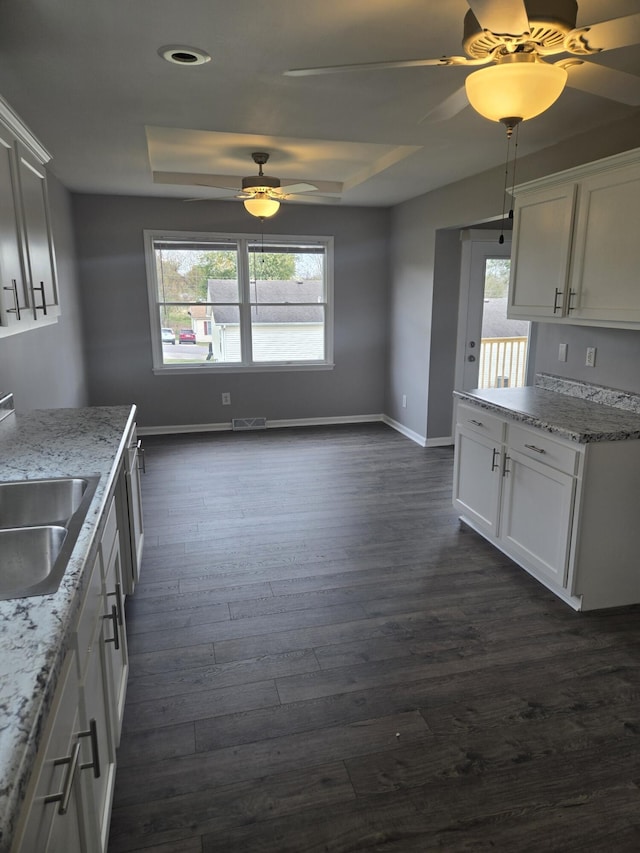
513 38
262 194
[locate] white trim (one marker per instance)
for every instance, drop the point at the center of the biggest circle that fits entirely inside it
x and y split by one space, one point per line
403 430
240 242
444 441
22 132
225 426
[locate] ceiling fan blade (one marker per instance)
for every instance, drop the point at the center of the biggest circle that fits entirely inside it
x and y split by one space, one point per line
608 35
603 81
299 187
450 107
506 17
381 66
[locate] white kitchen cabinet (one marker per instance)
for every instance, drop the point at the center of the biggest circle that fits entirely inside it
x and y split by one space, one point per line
37 240
541 252
129 506
606 251
576 252
115 644
28 281
565 512
14 306
505 491
52 819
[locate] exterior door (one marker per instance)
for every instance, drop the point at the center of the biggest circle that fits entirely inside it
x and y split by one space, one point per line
492 350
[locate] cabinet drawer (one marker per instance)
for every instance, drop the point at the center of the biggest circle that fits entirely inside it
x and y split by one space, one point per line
481 421
536 445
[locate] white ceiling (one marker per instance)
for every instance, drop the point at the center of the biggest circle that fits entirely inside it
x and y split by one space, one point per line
87 79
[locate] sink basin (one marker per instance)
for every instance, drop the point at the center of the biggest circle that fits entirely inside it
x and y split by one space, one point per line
40 521
27 558
26 503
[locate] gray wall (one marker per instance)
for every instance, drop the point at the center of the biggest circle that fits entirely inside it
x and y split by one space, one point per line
617 356
420 360
45 367
115 307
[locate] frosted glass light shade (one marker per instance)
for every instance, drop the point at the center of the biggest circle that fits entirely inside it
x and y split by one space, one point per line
262 206
515 90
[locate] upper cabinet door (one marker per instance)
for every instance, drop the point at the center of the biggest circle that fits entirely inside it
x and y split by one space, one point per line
605 281
542 236
14 305
37 239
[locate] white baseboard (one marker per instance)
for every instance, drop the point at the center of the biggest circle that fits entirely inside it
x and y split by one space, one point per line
225 426
444 441
409 433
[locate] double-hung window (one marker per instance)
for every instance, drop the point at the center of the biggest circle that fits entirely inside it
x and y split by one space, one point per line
237 302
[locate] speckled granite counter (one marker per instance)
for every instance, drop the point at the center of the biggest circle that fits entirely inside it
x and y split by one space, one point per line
565 408
35 632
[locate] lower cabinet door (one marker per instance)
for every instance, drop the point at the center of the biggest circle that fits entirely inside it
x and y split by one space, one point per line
97 756
54 818
536 518
476 480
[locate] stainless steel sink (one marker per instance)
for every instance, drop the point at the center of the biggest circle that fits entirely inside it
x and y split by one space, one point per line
40 521
26 503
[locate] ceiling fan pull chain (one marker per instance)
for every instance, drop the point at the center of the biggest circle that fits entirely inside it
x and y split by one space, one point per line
513 175
504 190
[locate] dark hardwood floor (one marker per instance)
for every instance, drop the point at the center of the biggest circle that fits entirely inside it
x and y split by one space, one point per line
322 658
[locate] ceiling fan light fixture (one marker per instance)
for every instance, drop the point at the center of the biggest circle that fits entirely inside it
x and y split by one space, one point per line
519 87
262 206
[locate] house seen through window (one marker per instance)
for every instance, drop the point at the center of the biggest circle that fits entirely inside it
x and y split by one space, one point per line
239 302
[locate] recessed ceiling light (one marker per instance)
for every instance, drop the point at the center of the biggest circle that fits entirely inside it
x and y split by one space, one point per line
181 54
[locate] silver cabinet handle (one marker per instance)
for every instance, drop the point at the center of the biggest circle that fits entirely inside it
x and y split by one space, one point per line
505 470
557 307
495 462
116 633
142 465
475 423
67 786
118 595
16 302
42 307
95 749
534 448
572 295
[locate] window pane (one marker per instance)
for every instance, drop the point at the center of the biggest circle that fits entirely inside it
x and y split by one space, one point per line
287 332
183 272
293 274
193 334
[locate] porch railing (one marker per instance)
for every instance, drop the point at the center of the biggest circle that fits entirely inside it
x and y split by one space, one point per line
502 362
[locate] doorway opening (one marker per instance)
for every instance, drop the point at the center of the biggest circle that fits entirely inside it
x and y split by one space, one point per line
492 350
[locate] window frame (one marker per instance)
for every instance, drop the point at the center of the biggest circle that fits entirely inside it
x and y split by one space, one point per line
241 239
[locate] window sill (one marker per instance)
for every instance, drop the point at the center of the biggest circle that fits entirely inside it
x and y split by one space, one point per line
241 368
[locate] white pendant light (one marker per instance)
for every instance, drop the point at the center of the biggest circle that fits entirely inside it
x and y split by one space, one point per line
261 205
518 87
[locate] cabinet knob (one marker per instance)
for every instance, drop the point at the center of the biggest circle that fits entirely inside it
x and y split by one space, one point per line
471 358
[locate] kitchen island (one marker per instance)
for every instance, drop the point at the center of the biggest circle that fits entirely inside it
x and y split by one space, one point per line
36 633
550 475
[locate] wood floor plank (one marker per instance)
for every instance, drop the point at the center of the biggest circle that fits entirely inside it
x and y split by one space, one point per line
323 659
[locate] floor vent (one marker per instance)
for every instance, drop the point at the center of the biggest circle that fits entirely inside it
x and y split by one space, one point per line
248 423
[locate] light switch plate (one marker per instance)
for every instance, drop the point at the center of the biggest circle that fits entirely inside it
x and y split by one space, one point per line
590 360
562 352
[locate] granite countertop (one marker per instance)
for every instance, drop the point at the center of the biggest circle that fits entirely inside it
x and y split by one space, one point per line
576 418
35 633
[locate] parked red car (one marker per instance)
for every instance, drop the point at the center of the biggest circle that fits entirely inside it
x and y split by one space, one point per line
186 336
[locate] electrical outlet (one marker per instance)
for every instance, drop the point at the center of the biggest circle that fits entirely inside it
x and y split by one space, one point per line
562 352
590 360
226 398
404 401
